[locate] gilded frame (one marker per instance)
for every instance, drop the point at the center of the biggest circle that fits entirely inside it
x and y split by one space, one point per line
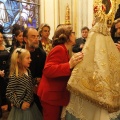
110 7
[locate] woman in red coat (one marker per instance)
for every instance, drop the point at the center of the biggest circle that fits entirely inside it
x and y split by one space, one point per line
52 89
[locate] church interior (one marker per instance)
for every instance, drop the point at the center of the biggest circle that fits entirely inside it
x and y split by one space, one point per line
33 13
78 13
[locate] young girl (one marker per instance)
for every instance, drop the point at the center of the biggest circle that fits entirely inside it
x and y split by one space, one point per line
20 88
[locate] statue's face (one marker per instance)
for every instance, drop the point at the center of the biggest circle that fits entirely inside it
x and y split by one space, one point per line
106 5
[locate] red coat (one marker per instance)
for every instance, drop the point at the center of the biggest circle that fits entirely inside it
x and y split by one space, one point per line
52 88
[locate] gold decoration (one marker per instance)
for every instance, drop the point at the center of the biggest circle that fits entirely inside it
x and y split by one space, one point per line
30 20
67 15
105 9
25 26
97 77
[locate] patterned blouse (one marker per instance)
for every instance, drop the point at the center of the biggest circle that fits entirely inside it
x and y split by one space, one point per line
47 46
20 89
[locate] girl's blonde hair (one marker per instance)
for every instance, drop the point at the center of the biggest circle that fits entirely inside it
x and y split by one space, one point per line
15 66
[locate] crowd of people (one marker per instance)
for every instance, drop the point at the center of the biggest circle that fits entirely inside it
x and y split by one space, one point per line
39 80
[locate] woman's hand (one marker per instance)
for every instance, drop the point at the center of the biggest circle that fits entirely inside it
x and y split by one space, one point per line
81 46
2 73
75 59
38 80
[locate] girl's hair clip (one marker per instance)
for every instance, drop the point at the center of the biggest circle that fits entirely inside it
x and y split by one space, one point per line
18 51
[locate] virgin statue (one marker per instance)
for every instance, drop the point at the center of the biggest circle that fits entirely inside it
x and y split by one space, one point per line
95 82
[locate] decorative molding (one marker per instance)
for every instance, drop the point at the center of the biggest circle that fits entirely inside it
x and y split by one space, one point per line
44 11
75 17
54 11
59 11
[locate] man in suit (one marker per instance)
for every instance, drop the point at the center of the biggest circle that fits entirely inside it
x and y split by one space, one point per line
38 56
81 41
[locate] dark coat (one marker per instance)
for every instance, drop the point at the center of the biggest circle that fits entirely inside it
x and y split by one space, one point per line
76 48
4 65
37 64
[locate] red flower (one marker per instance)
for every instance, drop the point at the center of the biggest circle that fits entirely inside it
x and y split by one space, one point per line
95 9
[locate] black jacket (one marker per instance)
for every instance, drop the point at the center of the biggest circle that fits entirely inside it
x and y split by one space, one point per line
76 47
37 64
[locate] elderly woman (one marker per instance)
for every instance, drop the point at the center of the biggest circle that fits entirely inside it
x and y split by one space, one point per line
52 88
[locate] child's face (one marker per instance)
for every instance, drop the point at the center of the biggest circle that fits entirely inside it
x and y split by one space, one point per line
26 61
19 38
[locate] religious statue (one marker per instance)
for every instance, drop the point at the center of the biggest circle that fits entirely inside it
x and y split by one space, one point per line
95 82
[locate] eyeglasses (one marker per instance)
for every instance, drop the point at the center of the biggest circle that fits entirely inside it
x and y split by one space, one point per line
73 33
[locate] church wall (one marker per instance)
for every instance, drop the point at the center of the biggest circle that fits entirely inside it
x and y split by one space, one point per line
81 13
53 13
49 14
